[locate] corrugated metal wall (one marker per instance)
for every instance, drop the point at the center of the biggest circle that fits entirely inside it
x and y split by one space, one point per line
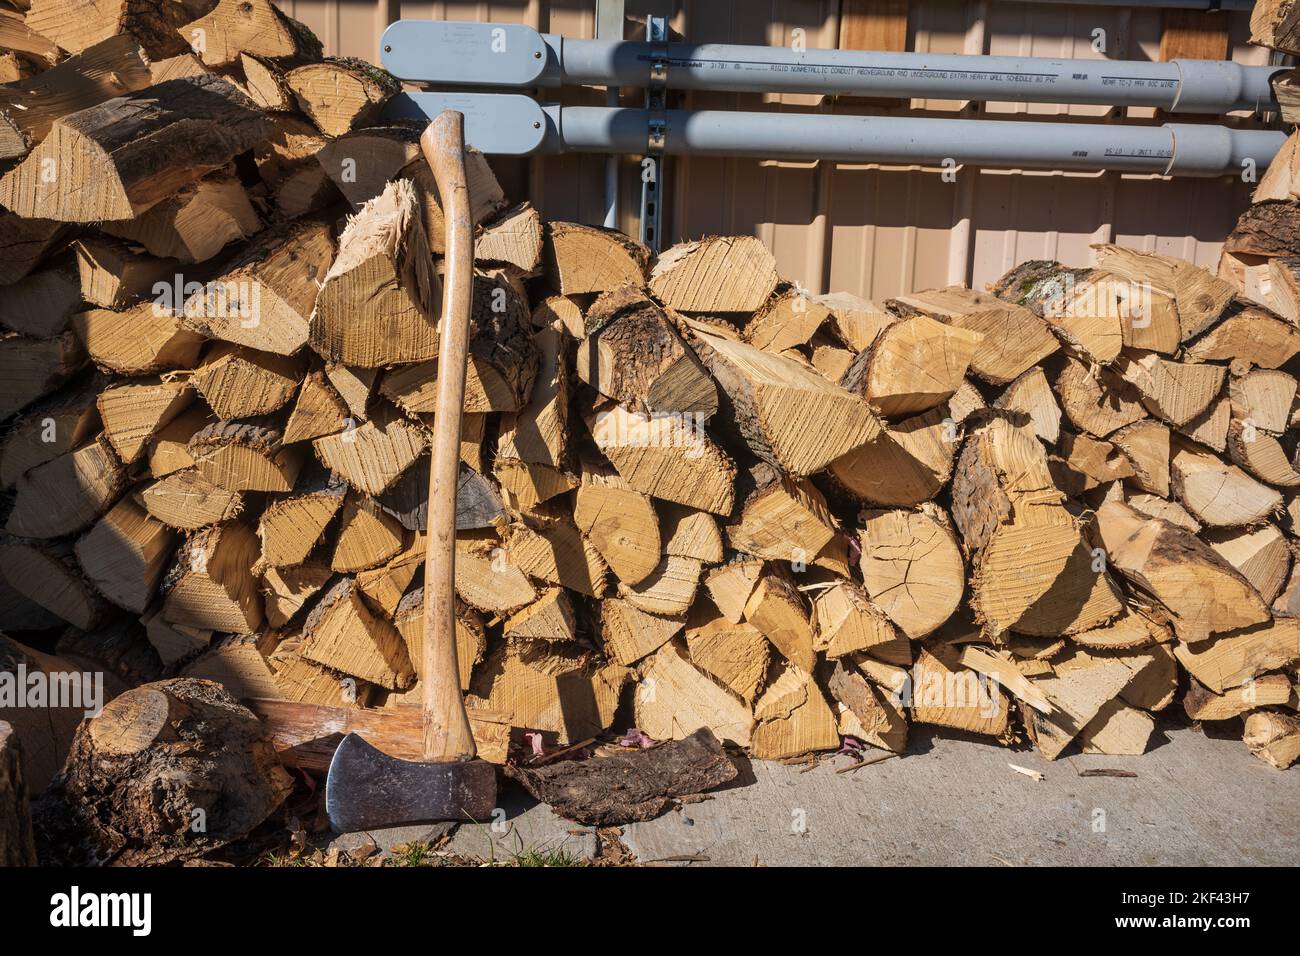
877 231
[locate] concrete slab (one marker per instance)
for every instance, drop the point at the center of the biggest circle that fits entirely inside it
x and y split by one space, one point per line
1195 801
523 825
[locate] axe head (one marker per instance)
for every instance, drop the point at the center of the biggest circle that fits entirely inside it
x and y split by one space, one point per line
368 790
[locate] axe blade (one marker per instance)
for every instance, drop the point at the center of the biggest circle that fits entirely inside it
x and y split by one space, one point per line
368 790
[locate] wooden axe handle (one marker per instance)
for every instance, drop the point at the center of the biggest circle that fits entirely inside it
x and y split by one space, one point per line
446 727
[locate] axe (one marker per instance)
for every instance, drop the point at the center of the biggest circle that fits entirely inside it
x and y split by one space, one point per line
366 788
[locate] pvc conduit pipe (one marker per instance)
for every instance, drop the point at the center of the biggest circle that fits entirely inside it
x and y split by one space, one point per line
1189 86
1174 149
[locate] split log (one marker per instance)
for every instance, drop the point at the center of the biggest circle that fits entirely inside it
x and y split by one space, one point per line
1247 334
539 431
772 398
633 355
1274 23
1200 591
777 610
32 368
790 318
75 28
16 844
319 410
377 302
906 464
187 501
876 719
513 239
1031 394
715 274
264 84
1266 228
620 788
629 633
793 718
582 259
1033 567
355 386
1174 391
196 223
48 575
913 365
666 457
1269 690
169 451
125 553
503 358
343 634
1097 403
24 243
471 641
1273 737
1198 294
845 622
736 655
241 383
341 94
1014 339
1210 428
232 28
1083 463
140 340
245 456
41 305
147 145
51 428
1218 494
210 585
854 321
675 699
688 533
1146 446
291 525
1262 455
28 108
731 585
1078 696
487 578
1263 399
367 536
542 689
957 698
133 414
911 567
66 494
549 618
621 524
156 761
1230 660
287 590
114 274
372 456
239 663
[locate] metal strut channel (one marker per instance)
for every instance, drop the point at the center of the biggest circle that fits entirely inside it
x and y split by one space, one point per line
656 103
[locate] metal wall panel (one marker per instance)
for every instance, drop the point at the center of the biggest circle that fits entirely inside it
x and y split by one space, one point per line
876 231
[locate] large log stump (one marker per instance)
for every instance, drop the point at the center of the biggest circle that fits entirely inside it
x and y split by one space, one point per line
166 772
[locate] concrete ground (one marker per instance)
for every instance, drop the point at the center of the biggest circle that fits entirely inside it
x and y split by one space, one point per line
1196 800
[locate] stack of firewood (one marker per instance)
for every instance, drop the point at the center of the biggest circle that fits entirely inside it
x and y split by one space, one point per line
691 493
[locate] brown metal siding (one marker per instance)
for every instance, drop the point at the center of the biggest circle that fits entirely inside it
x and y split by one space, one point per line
875 231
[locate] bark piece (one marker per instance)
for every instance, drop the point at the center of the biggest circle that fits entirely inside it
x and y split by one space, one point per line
620 788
